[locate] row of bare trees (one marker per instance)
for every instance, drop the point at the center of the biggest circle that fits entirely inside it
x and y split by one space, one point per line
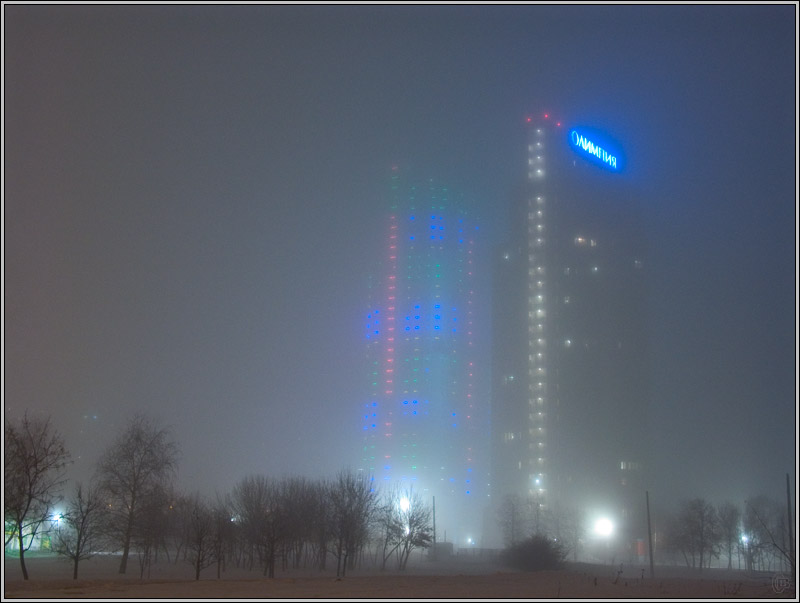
34 465
131 507
132 479
754 537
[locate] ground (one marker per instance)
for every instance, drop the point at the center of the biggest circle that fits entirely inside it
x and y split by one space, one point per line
456 578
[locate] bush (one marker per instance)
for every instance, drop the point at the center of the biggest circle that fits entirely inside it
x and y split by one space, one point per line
536 553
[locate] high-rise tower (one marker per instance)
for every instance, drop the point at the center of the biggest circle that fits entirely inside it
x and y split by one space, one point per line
424 423
569 385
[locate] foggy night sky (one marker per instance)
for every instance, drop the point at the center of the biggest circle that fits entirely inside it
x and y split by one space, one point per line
193 196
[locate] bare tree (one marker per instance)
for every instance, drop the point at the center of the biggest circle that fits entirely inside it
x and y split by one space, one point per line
353 504
694 532
137 466
80 531
200 541
299 503
33 474
404 521
389 524
256 503
150 528
767 534
224 534
321 523
567 526
415 518
730 518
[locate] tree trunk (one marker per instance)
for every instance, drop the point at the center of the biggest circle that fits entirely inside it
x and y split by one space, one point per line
79 545
22 552
126 547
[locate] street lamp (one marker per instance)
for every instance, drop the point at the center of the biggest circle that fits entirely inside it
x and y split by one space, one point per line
603 527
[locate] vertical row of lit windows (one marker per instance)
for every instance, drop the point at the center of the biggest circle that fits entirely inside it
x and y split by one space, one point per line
536 163
391 303
468 487
537 315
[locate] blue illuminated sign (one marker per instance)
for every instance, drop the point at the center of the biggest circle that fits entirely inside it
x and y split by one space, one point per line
596 147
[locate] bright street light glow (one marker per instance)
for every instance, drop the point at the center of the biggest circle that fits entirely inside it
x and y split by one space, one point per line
603 527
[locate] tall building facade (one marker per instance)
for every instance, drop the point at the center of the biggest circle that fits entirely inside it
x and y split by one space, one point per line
569 368
424 422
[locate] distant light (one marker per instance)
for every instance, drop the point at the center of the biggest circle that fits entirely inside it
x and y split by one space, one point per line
528 120
546 115
603 527
558 123
404 504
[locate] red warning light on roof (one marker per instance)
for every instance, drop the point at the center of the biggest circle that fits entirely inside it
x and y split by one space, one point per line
546 115
528 120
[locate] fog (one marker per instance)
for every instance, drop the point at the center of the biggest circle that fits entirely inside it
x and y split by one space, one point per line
196 199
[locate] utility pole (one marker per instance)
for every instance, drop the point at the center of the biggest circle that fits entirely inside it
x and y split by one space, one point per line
434 528
512 523
792 559
649 534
